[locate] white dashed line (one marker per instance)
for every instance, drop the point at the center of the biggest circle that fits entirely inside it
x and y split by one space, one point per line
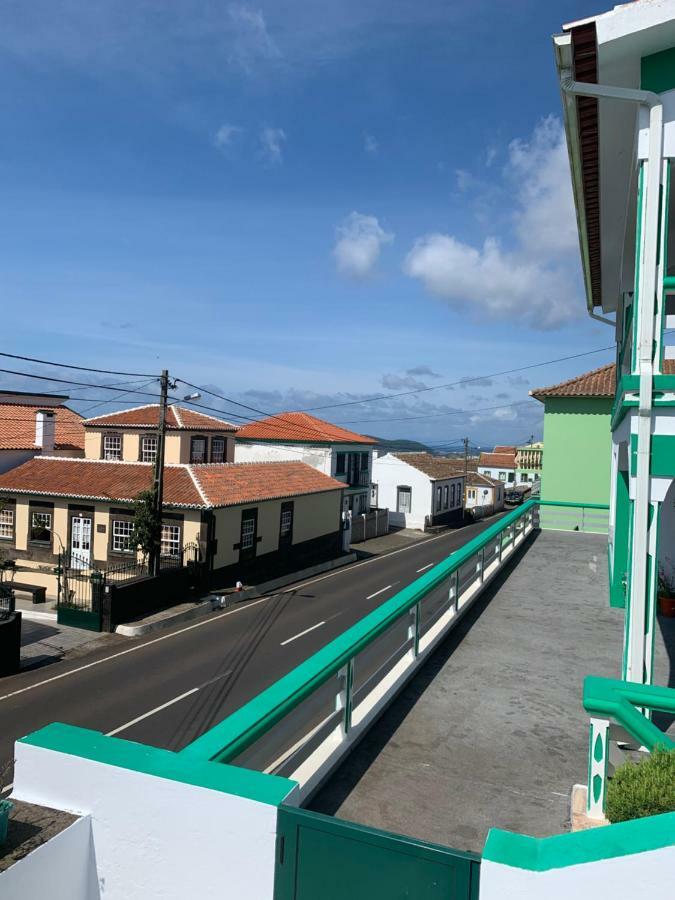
306 631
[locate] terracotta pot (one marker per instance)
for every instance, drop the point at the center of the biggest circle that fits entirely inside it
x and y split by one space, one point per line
667 606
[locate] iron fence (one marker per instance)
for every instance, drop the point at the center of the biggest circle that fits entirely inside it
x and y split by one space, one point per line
7 602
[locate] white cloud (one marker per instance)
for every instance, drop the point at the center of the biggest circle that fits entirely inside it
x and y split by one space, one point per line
370 144
226 135
251 41
360 240
272 142
536 281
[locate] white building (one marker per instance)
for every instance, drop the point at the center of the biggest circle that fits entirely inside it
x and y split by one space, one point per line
483 496
338 452
500 464
419 489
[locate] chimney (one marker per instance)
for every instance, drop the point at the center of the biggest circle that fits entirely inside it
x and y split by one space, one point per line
45 428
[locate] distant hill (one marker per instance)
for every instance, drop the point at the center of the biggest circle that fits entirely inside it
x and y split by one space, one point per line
401 444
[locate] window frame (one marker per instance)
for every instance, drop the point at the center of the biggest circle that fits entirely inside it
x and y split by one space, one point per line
403 490
144 452
121 550
12 524
193 439
217 439
178 540
446 495
105 452
341 463
49 514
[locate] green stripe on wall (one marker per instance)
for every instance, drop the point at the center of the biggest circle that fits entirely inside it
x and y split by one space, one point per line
657 71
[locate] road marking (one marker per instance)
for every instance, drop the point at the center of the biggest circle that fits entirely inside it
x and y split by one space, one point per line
164 637
424 568
381 591
306 631
229 612
167 704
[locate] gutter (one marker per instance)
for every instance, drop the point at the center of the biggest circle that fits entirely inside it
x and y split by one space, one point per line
636 670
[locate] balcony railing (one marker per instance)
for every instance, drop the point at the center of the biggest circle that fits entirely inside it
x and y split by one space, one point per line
358 478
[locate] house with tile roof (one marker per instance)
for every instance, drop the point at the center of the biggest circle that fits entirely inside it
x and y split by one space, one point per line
421 490
333 450
130 435
37 424
483 496
577 436
499 464
245 518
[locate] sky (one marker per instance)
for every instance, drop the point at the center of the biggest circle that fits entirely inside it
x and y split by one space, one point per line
294 205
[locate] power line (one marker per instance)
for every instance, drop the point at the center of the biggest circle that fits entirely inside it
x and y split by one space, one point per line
47 362
85 384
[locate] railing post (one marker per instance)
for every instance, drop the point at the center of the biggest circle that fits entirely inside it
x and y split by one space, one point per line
482 565
414 629
583 518
343 699
598 754
456 597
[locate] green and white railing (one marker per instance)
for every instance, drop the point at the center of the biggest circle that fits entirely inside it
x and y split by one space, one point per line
302 725
559 515
620 724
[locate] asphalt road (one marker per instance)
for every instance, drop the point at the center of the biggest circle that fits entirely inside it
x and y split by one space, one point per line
168 689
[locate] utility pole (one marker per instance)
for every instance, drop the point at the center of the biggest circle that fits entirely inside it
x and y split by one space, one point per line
158 482
466 456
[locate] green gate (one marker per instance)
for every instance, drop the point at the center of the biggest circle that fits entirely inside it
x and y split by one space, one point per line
322 857
80 592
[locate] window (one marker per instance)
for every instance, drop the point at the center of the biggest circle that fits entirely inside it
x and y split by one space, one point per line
41 527
446 491
217 450
340 463
198 449
502 476
438 498
471 493
122 534
148 448
403 499
112 446
170 544
7 524
488 473
511 476
247 532
286 521
453 494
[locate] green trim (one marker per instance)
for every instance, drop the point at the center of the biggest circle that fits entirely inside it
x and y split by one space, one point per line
662 456
620 701
619 573
657 71
594 845
112 751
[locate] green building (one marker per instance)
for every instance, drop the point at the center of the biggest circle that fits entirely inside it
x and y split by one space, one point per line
578 438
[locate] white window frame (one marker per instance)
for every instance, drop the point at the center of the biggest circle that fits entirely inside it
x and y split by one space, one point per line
112 446
403 491
170 544
248 526
47 524
193 440
286 522
218 439
502 476
7 523
149 455
122 533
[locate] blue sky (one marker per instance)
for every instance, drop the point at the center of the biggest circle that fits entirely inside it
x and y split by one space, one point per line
296 204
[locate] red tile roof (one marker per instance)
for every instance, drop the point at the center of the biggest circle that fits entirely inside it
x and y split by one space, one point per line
229 484
436 467
17 427
178 418
475 479
498 460
301 428
597 383
203 486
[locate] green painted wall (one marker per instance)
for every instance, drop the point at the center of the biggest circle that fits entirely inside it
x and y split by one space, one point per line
577 449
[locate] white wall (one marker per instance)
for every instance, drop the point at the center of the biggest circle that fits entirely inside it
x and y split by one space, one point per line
638 875
64 868
493 472
316 457
155 837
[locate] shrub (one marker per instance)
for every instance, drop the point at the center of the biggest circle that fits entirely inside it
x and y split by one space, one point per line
646 788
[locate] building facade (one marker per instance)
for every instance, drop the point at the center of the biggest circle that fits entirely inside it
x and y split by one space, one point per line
419 489
529 462
499 464
483 496
337 452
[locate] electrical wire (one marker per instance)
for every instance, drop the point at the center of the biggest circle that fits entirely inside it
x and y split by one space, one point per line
47 362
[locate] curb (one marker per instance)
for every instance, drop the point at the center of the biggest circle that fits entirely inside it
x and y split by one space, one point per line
217 602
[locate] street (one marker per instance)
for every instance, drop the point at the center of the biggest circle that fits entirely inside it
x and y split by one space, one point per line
167 690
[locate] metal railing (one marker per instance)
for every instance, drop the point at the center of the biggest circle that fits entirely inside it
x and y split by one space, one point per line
562 515
7 601
358 478
619 728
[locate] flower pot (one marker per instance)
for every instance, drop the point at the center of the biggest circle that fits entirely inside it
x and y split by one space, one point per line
6 807
667 606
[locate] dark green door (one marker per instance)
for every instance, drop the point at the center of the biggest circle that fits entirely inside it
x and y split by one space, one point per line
322 857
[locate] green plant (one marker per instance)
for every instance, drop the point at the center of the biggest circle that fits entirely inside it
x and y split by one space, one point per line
146 526
646 788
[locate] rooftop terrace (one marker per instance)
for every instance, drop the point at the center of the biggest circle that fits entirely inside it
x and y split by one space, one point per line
445 762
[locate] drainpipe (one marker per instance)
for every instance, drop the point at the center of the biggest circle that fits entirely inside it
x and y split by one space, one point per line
636 670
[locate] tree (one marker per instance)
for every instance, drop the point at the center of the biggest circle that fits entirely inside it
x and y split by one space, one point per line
146 524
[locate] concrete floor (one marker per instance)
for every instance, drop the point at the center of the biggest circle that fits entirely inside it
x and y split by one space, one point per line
491 731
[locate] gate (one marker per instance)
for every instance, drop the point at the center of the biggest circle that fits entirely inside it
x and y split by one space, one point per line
319 856
80 592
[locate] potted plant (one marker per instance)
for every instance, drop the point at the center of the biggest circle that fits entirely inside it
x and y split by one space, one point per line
666 592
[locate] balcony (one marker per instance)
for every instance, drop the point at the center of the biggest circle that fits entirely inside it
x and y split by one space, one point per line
358 478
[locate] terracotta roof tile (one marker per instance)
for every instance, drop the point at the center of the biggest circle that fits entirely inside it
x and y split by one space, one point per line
229 484
436 467
502 460
177 418
475 479
300 427
202 486
596 383
17 427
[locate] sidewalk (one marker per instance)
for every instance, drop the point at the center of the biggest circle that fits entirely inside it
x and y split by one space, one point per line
386 543
44 641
